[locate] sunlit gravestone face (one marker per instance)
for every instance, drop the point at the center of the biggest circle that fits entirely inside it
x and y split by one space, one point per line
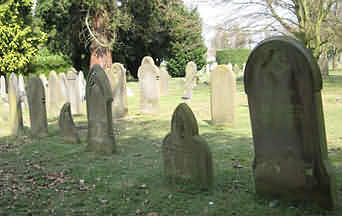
283 84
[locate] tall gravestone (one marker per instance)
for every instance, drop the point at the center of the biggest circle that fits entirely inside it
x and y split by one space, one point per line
164 80
67 125
148 75
54 94
16 117
64 89
186 155
37 107
117 79
82 85
222 98
190 79
99 111
283 84
3 93
46 85
74 91
22 91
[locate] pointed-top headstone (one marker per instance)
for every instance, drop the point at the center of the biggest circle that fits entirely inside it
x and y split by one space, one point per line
67 125
99 110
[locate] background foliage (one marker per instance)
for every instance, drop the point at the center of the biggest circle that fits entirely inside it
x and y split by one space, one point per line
19 41
237 56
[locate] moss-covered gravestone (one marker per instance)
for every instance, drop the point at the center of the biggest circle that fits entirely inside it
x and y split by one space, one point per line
187 156
15 111
283 84
222 98
117 79
37 107
67 125
148 75
99 111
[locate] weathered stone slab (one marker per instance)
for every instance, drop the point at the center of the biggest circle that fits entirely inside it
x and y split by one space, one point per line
82 85
222 98
54 95
117 80
46 85
67 125
64 89
190 79
74 91
3 93
164 80
37 107
186 155
148 75
15 111
22 91
99 110
283 84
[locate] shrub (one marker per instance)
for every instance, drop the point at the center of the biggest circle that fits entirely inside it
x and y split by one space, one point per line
234 56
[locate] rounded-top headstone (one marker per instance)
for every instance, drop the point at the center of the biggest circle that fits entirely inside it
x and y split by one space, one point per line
283 84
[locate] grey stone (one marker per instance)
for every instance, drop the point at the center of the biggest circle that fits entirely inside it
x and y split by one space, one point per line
56 100
74 91
67 125
3 93
186 155
164 81
190 79
117 80
99 110
283 84
148 75
16 116
222 97
37 107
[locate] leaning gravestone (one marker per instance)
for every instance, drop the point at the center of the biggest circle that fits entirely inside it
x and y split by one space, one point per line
222 98
74 91
190 79
67 125
99 111
37 107
117 79
283 84
16 117
186 155
164 80
148 75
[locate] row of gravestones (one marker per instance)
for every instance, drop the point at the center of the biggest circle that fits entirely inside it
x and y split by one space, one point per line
283 85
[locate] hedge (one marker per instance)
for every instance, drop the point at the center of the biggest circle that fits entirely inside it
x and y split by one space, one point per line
237 56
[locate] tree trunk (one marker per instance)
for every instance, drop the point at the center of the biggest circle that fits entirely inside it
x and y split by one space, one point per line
99 54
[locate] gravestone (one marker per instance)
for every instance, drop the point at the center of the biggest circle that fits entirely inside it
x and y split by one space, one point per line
186 155
82 85
164 80
15 112
22 91
3 93
283 84
54 94
99 111
236 69
222 98
64 89
74 92
67 125
37 107
117 79
148 75
46 85
190 79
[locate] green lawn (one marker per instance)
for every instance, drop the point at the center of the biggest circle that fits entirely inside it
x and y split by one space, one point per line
49 177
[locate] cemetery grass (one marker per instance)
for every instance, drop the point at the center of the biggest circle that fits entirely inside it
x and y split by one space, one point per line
47 176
